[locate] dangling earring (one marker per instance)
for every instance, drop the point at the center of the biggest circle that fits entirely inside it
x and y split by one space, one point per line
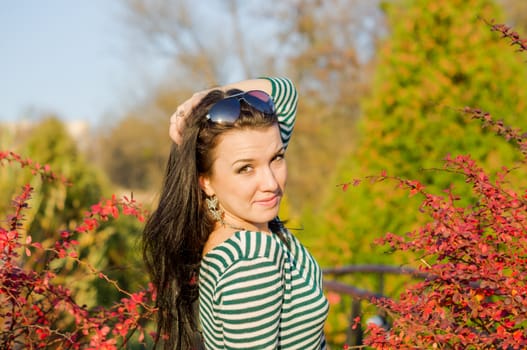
214 208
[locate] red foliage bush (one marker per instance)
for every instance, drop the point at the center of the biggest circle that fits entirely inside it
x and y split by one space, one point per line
475 256
37 310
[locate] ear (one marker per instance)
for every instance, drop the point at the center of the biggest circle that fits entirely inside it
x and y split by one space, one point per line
204 183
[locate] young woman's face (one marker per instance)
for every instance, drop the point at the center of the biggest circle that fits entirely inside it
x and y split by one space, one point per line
248 176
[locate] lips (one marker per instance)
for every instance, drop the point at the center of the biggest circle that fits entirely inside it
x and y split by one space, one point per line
269 201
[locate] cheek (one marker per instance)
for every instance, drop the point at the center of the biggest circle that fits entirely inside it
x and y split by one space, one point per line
281 174
234 186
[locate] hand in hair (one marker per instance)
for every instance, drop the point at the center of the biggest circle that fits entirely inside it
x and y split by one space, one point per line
177 120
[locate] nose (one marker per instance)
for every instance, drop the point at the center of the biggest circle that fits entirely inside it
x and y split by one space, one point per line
268 180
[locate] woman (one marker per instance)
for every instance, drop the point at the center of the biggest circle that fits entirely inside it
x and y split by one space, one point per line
216 231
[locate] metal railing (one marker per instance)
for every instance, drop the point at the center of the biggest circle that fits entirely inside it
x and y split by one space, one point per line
358 295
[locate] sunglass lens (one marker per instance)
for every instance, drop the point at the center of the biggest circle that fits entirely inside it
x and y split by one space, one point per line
225 111
260 100
259 94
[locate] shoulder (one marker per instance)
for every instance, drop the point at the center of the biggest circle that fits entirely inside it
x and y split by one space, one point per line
242 251
217 237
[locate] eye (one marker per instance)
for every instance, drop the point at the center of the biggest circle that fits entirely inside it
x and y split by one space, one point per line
279 157
244 169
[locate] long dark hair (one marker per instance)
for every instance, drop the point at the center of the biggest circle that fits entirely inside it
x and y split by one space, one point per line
176 232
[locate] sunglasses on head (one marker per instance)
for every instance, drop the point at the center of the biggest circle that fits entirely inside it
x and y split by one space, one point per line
227 111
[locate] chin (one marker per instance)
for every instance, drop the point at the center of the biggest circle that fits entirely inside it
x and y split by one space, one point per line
263 220
270 217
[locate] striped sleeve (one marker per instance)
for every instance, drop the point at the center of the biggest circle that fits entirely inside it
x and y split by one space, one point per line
250 295
285 98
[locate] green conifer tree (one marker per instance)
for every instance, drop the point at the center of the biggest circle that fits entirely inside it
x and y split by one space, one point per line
112 248
440 56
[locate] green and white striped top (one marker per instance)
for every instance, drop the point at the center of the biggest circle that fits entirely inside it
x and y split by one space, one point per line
255 292
285 100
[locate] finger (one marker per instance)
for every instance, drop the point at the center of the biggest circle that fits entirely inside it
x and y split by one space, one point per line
174 134
196 98
176 125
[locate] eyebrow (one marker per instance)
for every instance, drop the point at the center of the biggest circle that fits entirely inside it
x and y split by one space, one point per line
249 160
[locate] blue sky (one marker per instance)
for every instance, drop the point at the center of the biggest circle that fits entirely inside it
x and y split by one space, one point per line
76 59
64 57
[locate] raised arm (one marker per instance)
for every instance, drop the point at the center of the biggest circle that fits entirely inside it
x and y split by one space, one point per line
285 98
282 90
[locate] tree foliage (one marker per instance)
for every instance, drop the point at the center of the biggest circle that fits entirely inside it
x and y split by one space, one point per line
331 45
441 58
134 151
516 11
474 255
39 306
58 206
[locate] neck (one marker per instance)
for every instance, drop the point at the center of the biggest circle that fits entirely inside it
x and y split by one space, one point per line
233 226
241 225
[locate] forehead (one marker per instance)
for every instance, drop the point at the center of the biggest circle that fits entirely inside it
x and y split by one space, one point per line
248 143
